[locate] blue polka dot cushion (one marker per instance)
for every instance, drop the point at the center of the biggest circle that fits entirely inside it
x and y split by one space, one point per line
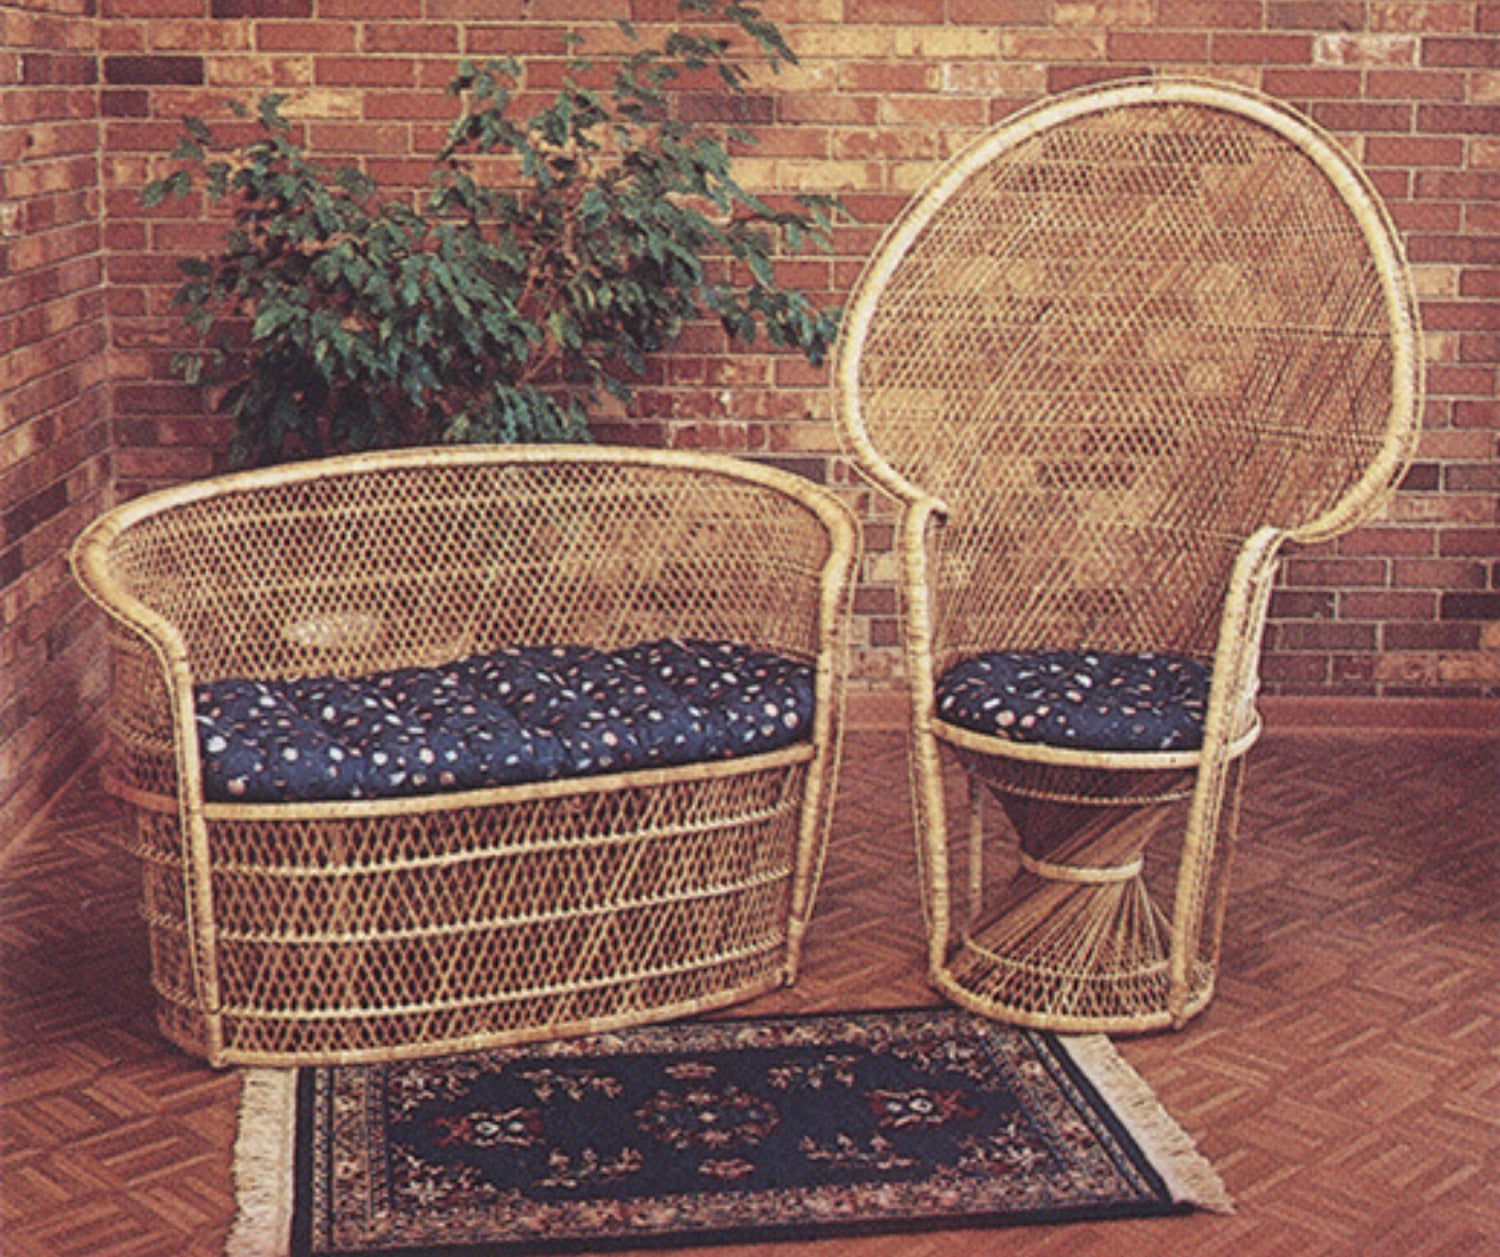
1093 700
518 715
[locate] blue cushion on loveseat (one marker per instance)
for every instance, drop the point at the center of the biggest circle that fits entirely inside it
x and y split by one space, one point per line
516 715
1094 700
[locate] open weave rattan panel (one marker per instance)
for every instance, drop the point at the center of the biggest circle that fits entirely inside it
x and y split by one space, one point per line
1122 346
511 918
409 565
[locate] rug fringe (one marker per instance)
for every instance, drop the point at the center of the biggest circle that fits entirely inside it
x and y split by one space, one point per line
1189 1177
263 1172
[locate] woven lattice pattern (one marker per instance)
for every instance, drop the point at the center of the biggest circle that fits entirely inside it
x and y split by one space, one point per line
348 937
406 565
1123 346
1111 358
342 930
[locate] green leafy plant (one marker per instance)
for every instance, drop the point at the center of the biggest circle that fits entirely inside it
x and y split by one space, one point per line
491 308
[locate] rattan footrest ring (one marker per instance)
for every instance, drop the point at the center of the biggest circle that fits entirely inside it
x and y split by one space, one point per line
1082 874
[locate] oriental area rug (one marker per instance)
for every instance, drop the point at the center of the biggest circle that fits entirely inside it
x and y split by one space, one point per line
707 1132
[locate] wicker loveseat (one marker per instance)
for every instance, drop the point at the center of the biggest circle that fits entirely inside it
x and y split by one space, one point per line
439 749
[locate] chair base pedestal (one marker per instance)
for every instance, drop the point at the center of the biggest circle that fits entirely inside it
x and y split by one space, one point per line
1044 989
1074 942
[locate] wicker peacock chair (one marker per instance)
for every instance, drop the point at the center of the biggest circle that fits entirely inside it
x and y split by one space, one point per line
1113 357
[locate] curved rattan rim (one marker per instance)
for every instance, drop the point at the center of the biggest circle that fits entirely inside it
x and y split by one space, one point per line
331 810
1070 757
1053 1023
1353 186
88 551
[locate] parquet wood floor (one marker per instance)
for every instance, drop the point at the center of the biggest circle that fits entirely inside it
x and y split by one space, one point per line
1346 1081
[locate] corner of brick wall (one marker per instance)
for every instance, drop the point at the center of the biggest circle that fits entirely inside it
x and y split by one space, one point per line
55 444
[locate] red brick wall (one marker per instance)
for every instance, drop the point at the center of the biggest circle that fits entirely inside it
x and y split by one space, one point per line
886 88
54 435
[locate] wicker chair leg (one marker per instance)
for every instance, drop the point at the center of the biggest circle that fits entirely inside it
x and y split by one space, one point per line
1202 893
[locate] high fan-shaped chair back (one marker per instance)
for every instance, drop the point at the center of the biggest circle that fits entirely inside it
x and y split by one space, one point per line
1113 356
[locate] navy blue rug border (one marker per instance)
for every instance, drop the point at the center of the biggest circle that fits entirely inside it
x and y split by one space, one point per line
1058 1055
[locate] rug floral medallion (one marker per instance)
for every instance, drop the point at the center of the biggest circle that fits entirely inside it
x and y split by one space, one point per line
732 1131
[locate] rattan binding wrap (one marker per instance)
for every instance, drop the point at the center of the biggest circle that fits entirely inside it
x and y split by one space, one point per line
1111 359
356 931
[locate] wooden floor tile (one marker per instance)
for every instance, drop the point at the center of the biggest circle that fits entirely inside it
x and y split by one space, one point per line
1345 1082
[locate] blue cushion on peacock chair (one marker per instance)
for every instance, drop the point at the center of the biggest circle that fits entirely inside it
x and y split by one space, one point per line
516 715
1093 700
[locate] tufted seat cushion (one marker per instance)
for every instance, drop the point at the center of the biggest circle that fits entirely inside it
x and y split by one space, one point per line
517 715
1093 700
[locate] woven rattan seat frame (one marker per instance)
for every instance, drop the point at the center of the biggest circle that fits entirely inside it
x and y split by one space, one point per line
290 933
1111 360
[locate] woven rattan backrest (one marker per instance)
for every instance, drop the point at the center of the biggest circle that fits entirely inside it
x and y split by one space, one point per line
1114 338
413 559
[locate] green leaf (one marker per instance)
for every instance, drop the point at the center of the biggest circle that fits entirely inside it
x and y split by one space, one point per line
760 267
563 329
501 309
269 319
269 112
593 208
